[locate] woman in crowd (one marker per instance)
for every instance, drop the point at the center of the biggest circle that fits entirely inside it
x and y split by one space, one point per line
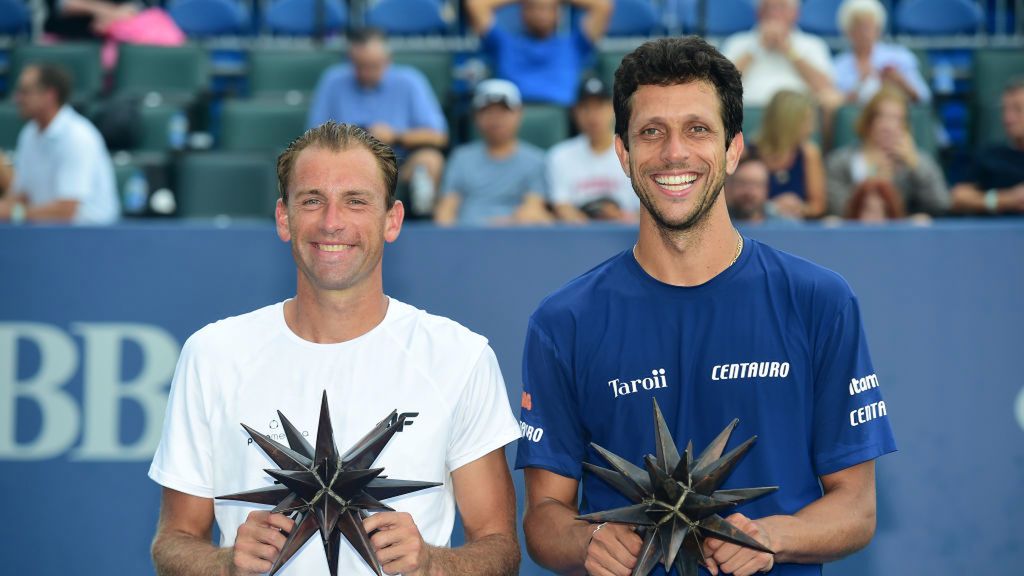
875 201
861 71
887 152
797 174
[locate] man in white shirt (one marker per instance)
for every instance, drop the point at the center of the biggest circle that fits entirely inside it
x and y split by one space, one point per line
62 170
776 55
340 335
584 174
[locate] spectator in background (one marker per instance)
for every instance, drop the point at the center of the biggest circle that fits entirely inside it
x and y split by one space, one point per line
860 72
874 202
85 19
62 170
499 180
544 63
795 166
996 182
6 174
775 56
746 193
887 152
586 179
394 103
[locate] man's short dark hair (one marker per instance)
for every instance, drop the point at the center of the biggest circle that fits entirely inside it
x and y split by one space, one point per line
54 77
1013 84
673 61
360 36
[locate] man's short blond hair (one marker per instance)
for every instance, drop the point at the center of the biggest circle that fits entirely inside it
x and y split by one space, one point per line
337 137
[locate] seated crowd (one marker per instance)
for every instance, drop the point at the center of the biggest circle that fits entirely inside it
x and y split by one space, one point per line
790 170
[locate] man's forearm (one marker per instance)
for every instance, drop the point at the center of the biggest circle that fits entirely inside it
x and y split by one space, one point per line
186 555
497 554
555 538
836 525
815 78
56 211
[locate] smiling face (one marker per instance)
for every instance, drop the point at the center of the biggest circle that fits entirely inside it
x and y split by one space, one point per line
337 220
677 158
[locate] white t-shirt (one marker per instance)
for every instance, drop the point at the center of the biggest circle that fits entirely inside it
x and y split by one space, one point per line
244 369
67 161
577 175
771 71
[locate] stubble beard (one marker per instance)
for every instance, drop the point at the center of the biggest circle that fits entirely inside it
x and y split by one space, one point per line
697 217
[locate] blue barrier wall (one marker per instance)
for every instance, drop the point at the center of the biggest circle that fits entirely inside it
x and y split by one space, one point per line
91 321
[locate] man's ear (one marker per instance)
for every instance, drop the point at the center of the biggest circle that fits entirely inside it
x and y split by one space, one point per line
623 153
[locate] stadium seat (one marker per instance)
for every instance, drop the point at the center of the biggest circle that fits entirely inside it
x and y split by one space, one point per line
922 127
435 65
723 16
992 68
261 125
10 125
80 59
205 18
607 63
937 17
634 18
235 184
179 70
14 18
819 17
279 70
752 116
299 17
544 125
407 17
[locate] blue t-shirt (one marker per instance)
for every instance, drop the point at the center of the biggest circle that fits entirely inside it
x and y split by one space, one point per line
491 188
544 69
774 340
403 100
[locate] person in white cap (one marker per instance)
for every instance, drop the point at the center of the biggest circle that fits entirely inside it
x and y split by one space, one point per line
498 179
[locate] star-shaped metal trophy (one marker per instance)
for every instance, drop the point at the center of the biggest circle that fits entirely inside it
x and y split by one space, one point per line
676 500
325 492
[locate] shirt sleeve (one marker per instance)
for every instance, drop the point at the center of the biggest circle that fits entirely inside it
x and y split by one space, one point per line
451 182
908 67
73 176
426 111
184 457
482 416
536 181
557 181
851 423
552 437
929 187
820 57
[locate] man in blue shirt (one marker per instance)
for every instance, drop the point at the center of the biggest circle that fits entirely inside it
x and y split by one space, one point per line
544 64
394 103
714 327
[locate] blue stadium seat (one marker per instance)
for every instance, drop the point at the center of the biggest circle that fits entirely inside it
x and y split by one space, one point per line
204 18
634 18
14 18
819 17
723 16
298 17
937 17
407 17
